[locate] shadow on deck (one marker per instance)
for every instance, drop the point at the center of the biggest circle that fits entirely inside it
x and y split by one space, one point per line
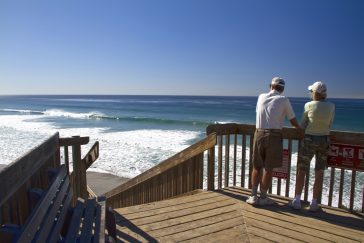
225 216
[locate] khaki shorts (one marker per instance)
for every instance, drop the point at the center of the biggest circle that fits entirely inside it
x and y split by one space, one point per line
314 145
267 149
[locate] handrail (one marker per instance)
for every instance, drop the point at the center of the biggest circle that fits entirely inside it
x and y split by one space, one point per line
232 166
17 173
179 174
32 171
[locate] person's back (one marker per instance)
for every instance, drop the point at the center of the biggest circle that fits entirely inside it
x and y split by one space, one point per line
318 117
272 109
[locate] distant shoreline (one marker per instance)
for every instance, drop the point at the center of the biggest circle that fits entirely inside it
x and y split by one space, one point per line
153 95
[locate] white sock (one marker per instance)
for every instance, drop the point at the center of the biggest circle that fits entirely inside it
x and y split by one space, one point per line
314 201
298 197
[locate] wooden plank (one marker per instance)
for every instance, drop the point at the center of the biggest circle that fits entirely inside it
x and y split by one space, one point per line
16 174
219 161
248 129
296 229
173 207
234 163
173 161
167 203
352 190
74 227
192 225
353 138
187 222
243 158
176 214
38 214
54 208
66 158
92 155
250 160
100 222
204 230
288 180
89 217
227 160
258 234
334 218
75 140
79 169
341 187
54 235
331 188
235 234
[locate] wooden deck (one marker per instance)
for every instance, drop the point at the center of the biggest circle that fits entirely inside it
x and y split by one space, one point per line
223 216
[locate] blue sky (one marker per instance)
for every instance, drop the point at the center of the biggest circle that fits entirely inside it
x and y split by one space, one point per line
181 47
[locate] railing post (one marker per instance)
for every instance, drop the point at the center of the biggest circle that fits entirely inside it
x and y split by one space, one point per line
211 169
79 171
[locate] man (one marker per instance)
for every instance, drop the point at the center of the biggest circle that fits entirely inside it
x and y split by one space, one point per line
272 109
317 119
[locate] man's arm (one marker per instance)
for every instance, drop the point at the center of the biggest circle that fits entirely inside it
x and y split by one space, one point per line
294 122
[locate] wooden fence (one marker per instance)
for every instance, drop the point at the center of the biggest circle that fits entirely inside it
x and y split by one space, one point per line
234 155
32 171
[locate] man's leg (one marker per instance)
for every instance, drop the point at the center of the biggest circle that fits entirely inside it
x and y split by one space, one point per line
256 175
266 181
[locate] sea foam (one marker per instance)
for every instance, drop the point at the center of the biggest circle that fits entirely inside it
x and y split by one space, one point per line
122 153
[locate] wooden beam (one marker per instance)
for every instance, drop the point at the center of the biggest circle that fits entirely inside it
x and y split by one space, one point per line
18 172
76 140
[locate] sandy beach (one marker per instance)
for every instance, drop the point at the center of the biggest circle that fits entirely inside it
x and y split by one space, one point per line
103 182
98 182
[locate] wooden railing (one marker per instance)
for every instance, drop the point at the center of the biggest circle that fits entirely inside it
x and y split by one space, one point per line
32 171
177 175
234 155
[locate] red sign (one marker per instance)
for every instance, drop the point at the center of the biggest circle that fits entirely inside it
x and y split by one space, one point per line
282 172
346 156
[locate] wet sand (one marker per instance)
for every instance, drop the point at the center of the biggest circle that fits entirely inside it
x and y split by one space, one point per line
2 166
101 183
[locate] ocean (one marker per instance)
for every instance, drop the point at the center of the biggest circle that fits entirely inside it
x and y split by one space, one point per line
136 132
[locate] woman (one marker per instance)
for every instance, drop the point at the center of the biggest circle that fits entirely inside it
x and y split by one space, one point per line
316 120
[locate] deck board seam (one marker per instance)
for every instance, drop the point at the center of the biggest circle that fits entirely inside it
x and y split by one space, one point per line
179 216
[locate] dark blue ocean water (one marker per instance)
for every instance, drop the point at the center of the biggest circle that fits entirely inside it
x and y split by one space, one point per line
122 113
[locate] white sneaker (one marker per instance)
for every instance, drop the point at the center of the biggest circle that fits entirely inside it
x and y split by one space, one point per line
253 200
314 207
266 201
296 204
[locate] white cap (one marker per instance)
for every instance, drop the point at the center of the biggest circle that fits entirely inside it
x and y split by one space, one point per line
318 87
278 81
